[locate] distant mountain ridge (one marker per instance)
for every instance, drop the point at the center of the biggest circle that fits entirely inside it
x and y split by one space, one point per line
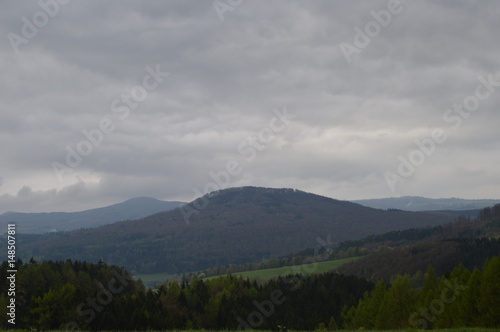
417 203
44 222
238 225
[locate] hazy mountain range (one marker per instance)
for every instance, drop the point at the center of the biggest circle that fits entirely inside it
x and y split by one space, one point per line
416 203
231 226
140 207
134 208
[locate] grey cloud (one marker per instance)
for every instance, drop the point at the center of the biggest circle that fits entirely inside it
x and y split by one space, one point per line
353 120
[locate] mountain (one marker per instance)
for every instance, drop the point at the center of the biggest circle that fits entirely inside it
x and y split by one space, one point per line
134 208
231 226
416 203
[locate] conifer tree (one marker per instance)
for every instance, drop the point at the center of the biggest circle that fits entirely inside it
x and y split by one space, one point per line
56 308
332 324
490 294
397 306
469 308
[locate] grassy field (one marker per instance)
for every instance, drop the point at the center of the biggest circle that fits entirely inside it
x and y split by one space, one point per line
320 267
266 274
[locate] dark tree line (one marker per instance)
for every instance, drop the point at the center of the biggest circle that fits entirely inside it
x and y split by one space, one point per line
79 295
48 294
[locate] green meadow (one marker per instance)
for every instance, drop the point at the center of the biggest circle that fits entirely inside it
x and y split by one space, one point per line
320 267
265 274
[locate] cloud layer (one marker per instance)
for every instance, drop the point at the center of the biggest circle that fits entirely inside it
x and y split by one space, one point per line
355 116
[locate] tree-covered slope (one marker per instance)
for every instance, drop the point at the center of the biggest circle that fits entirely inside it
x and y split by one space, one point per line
468 242
231 226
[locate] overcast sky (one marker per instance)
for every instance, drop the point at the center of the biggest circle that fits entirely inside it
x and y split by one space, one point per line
328 97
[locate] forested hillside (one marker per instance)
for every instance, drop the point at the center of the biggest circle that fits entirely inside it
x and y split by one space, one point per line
443 256
460 288
233 226
469 242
